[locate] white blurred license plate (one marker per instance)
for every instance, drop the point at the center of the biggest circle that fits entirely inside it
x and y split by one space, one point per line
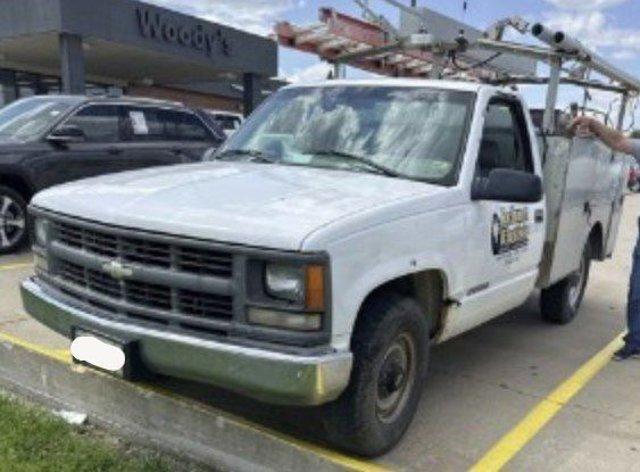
99 353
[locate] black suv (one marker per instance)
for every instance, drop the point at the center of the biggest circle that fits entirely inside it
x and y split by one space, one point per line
48 140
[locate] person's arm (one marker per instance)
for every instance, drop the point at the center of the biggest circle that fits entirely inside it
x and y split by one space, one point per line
611 137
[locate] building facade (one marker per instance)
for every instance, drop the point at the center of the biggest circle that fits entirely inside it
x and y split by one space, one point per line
96 46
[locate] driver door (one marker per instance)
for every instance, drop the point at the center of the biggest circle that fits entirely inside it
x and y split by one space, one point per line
509 236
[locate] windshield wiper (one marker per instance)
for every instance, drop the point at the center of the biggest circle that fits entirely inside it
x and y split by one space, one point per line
255 154
354 157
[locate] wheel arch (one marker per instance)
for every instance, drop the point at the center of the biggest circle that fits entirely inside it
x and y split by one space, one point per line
429 287
17 182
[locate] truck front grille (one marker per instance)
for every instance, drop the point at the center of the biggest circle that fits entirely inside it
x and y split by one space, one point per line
170 283
189 302
141 251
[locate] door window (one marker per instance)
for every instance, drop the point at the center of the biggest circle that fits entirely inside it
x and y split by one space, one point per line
181 126
99 123
504 142
142 124
160 124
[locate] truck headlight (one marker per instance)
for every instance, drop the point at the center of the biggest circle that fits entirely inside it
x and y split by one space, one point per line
300 284
285 282
41 232
302 289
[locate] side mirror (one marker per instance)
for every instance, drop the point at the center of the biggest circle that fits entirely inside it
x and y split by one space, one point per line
66 134
506 185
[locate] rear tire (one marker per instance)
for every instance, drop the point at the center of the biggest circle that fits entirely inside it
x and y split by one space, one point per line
559 304
14 227
391 351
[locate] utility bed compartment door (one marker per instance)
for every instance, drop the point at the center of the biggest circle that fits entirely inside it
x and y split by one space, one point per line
617 189
581 191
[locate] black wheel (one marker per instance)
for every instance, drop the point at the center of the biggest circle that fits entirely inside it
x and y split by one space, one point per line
560 303
391 351
13 220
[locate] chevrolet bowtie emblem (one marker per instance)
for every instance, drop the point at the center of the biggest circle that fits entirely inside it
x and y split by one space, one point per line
116 270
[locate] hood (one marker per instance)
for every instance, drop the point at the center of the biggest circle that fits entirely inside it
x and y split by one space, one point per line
264 205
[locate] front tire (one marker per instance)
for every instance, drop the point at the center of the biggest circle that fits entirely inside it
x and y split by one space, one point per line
391 351
559 304
14 232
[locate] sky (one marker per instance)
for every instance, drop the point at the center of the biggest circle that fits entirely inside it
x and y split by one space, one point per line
611 27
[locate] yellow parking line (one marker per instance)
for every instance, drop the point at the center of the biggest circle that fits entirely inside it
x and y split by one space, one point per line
342 460
20 265
510 444
349 463
61 355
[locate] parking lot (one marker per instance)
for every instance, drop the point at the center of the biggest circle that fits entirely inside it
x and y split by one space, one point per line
482 386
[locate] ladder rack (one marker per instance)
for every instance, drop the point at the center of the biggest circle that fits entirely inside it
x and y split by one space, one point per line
337 34
376 46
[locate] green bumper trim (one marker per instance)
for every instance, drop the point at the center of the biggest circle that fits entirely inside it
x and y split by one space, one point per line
266 375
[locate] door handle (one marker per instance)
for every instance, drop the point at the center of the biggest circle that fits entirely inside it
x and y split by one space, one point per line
539 216
114 151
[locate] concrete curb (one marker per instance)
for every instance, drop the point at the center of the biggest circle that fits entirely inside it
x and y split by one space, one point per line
156 418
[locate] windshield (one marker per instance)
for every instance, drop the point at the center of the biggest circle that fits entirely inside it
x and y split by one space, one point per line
27 119
414 133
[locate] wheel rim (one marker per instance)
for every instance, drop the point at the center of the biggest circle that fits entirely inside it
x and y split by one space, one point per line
12 222
396 377
577 283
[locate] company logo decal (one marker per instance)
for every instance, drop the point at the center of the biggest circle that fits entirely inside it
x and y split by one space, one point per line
201 37
510 231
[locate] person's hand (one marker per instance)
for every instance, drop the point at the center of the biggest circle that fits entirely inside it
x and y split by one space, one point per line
582 126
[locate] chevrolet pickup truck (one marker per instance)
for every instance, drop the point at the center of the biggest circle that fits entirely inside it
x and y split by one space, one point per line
346 228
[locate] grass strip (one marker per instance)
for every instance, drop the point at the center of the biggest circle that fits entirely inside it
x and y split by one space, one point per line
32 440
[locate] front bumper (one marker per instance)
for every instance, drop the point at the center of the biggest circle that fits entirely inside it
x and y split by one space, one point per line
269 376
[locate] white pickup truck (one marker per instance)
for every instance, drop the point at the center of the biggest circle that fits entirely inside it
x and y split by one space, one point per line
345 228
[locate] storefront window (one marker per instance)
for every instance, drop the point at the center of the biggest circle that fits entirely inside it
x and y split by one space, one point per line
19 84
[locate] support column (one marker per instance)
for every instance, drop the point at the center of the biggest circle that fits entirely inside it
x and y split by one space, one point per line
72 69
251 96
8 81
